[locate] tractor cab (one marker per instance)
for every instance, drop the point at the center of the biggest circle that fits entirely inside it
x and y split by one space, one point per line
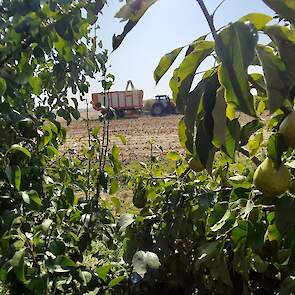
162 106
162 97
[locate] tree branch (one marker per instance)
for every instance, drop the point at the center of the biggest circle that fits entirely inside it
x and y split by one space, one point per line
255 160
209 19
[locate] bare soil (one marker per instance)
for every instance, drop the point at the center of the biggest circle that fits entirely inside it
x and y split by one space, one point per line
138 132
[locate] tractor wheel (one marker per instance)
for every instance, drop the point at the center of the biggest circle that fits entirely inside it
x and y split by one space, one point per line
157 109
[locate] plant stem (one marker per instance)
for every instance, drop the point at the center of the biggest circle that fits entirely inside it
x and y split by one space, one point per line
89 147
219 5
209 19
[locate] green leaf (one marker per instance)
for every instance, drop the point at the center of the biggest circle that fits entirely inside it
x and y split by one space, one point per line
276 146
36 84
276 77
284 38
57 247
235 47
248 129
13 174
285 209
186 138
165 63
70 196
95 131
114 159
102 272
75 113
285 8
254 143
217 226
3 86
64 261
31 197
117 203
173 156
257 264
116 281
259 20
114 186
207 251
142 261
19 148
232 137
288 286
122 138
26 73
17 262
205 129
219 118
183 76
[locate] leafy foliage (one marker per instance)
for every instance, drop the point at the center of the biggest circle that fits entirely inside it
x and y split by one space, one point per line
217 234
47 50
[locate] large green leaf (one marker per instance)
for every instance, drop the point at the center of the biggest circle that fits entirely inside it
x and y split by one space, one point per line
232 137
205 130
183 76
259 20
17 262
165 63
248 129
276 77
18 148
219 117
185 136
36 84
13 174
235 47
276 146
187 125
285 8
284 38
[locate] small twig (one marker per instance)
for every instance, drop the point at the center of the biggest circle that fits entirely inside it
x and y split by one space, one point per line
106 147
163 178
209 19
151 155
219 5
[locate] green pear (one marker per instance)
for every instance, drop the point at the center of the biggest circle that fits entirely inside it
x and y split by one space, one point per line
271 181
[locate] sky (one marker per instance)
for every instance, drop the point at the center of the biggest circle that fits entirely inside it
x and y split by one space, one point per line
168 24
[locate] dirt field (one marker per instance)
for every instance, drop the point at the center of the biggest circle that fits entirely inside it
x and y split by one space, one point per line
138 131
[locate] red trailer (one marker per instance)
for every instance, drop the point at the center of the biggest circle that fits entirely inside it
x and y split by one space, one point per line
121 101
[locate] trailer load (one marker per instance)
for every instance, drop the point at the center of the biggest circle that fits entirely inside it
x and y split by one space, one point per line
120 101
